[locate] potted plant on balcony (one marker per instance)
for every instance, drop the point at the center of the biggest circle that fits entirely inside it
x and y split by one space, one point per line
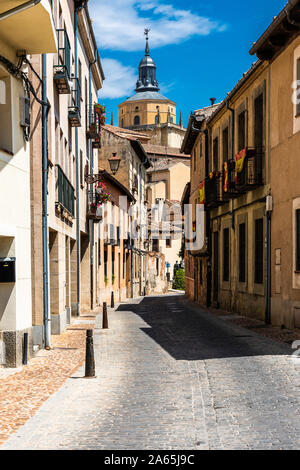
103 195
100 110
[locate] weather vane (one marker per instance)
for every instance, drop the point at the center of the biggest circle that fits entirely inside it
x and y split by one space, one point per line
147 31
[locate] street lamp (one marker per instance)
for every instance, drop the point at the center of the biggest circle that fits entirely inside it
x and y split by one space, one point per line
114 163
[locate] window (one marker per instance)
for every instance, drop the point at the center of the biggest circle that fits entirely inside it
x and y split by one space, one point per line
216 153
226 255
6 122
298 78
259 121
113 261
65 192
242 131
298 240
86 103
99 253
201 272
81 168
157 119
105 261
225 145
168 243
137 120
259 251
242 252
122 123
155 245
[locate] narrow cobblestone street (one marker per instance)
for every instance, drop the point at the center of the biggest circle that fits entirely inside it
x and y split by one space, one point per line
170 376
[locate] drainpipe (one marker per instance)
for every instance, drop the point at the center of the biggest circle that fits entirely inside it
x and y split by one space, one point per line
78 251
47 318
19 9
91 227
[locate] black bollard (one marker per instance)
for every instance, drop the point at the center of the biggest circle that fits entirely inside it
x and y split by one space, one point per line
25 349
105 317
112 300
89 355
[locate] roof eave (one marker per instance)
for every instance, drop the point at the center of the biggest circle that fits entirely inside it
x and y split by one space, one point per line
278 34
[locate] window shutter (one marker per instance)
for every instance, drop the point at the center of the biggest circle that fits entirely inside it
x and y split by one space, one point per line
259 251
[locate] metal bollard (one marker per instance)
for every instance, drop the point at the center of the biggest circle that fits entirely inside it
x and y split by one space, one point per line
105 317
25 349
89 355
112 300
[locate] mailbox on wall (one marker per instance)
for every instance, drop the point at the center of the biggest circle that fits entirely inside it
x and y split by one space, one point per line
7 270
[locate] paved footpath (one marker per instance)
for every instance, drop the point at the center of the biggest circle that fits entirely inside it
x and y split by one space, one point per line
170 376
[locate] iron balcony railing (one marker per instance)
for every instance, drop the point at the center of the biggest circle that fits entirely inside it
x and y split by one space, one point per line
213 190
62 65
75 104
251 174
94 209
228 180
94 121
65 194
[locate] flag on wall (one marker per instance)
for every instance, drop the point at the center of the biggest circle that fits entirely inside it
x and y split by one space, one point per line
239 162
202 192
226 181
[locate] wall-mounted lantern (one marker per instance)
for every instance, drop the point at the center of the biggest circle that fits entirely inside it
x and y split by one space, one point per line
114 163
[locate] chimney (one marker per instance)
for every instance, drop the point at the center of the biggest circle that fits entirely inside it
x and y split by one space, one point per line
213 100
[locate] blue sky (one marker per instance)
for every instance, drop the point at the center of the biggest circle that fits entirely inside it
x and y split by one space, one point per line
200 47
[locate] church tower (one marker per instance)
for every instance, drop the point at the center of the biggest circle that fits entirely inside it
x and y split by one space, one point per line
147 108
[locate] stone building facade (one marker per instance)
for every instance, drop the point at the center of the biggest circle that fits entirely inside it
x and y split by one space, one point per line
132 175
197 261
282 60
17 34
74 77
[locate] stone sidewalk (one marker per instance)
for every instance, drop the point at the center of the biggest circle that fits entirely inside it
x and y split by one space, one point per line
173 377
24 390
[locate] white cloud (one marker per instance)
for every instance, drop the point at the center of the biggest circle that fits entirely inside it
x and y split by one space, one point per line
120 80
119 24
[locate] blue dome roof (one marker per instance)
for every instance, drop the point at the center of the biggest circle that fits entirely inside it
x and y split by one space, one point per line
148 95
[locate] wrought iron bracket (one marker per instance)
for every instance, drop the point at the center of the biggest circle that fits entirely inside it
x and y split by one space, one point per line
91 179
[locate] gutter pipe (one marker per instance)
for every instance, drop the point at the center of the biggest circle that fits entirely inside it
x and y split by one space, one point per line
47 318
91 223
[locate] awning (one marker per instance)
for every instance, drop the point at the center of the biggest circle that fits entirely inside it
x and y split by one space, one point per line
31 30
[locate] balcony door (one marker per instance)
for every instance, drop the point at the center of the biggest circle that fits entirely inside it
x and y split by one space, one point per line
216 266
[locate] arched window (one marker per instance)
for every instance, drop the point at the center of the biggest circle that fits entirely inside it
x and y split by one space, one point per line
137 120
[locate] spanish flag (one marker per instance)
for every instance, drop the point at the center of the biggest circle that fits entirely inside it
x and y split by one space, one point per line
239 162
226 182
202 192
